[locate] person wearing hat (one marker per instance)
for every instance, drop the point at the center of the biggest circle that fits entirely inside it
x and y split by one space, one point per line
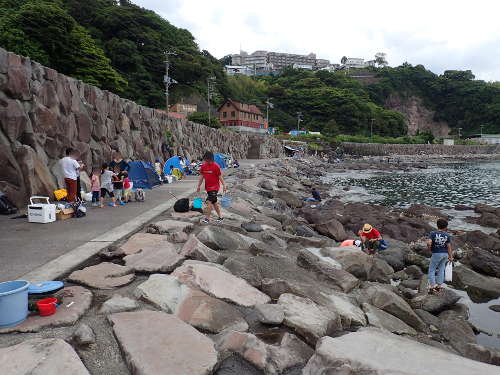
370 237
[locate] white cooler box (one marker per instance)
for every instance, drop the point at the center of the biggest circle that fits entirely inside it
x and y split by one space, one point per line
41 212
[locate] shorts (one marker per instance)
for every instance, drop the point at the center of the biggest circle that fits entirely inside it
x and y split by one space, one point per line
118 194
105 191
212 196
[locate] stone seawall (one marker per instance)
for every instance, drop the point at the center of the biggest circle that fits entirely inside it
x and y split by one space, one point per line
376 149
42 112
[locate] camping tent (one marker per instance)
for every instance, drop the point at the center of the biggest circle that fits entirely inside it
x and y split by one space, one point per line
220 159
175 161
143 175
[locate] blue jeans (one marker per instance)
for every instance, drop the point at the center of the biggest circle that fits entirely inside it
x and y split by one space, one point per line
438 262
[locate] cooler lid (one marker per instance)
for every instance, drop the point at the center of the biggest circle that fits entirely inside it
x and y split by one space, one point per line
45 287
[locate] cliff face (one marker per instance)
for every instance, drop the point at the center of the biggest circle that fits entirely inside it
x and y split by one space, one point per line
418 117
43 112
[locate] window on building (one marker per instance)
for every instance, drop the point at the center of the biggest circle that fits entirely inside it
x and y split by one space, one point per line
224 114
233 114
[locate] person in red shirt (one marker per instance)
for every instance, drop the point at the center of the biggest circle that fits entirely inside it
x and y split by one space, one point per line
211 174
370 237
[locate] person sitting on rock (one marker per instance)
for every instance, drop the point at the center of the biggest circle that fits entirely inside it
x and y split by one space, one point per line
315 196
370 238
439 243
351 243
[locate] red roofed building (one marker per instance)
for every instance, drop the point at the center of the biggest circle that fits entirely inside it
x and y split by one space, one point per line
246 117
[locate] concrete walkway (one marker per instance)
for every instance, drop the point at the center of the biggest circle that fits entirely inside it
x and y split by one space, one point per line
26 249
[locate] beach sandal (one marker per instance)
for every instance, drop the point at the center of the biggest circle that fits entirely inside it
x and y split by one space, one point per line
438 289
205 221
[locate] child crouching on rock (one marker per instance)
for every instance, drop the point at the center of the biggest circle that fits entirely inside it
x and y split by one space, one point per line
439 242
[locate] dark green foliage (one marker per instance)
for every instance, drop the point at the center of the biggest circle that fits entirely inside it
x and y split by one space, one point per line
455 96
202 118
44 31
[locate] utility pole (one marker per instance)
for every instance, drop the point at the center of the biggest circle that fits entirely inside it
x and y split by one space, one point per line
167 80
482 130
210 88
371 128
459 134
299 119
268 105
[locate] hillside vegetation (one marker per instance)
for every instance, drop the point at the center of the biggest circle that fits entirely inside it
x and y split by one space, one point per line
120 47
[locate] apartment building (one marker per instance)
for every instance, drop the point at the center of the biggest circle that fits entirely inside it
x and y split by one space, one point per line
272 61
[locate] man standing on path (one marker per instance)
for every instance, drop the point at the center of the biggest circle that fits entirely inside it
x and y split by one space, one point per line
211 173
70 168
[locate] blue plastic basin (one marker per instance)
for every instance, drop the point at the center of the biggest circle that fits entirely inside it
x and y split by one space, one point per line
13 302
197 203
225 201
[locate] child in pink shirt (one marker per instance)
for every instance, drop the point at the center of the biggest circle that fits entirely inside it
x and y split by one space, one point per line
95 186
127 187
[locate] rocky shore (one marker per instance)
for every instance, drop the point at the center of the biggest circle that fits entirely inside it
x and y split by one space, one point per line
269 292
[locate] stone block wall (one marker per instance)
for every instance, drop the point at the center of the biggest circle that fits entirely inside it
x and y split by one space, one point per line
43 112
420 149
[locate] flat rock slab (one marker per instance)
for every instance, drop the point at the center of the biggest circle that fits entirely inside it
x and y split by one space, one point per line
159 343
220 284
172 225
185 215
141 241
307 318
103 276
77 298
195 249
270 314
118 304
380 319
373 351
164 258
191 305
41 357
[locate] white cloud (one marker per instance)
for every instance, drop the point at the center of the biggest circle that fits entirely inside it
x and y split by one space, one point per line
440 34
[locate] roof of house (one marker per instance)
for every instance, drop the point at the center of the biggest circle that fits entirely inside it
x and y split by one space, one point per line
251 108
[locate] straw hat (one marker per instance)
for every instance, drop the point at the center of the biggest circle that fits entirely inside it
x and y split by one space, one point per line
367 228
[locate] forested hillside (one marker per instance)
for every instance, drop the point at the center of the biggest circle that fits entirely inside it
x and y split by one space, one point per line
120 47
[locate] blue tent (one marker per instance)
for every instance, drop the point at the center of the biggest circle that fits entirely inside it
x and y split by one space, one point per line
220 159
143 175
175 161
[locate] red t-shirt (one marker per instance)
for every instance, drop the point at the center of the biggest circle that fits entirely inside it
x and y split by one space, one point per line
211 173
126 183
371 235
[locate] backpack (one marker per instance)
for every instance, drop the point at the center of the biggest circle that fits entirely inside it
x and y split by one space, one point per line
182 205
80 209
139 195
6 206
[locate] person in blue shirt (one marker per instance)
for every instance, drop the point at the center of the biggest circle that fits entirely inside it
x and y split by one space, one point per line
315 196
439 243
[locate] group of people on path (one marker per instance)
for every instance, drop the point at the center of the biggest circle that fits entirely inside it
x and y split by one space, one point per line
110 180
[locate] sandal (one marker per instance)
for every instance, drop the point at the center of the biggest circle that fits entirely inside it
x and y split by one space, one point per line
438 289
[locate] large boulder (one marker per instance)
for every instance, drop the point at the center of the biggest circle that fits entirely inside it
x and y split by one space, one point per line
380 319
343 279
307 318
191 305
333 229
435 303
393 304
143 241
218 238
270 314
485 262
289 351
344 306
374 351
103 276
291 199
154 342
480 239
219 284
41 356
195 249
479 287
118 303
457 331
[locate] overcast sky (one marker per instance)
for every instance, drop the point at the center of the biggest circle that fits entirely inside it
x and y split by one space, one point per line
440 34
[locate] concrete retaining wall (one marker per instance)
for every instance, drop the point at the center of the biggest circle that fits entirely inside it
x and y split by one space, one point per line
43 112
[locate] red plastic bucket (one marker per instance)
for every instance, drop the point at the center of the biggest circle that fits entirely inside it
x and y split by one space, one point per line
47 306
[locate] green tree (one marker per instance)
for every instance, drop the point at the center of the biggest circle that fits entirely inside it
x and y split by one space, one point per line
202 118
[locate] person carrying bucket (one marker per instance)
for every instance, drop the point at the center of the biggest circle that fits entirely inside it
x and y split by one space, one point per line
211 174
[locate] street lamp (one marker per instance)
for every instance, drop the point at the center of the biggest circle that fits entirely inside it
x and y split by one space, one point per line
481 126
299 119
371 128
167 80
459 133
268 105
